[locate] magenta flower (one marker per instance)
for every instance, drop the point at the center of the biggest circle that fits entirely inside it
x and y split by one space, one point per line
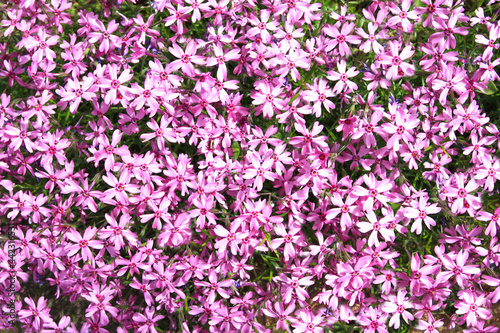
447 31
215 286
107 41
268 96
279 312
41 46
397 305
289 238
460 194
84 243
77 91
471 307
101 305
262 26
308 322
341 38
202 212
403 15
343 78
148 320
38 315
186 58
394 59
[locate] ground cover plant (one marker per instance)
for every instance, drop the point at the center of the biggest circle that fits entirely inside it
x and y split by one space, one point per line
249 166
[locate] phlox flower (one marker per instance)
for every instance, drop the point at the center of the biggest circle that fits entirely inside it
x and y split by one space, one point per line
318 95
429 326
402 15
388 280
374 192
457 268
107 41
470 305
343 77
221 86
148 320
308 322
144 28
490 171
446 30
77 91
268 96
418 277
290 237
83 244
147 95
101 305
119 187
309 139
214 286
20 136
177 232
262 26
38 314
107 150
115 84
186 58
289 35
53 145
133 265
260 170
346 208
395 59
161 132
421 214
202 212
294 286
117 233
295 59
341 38
220 59
397 306
460 193
280 312
42 43
373 320
229 239
375 227
371 39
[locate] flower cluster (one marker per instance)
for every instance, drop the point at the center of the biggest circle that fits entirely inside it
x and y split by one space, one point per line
241 166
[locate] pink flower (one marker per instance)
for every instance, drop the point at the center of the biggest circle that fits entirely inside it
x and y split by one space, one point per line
215 286
116 89
421 214
308 322
343 78
38 315
84 243
268 96
100 300
107 41
186 58
341 38
471 306
394 59
460 193
397 305
402 15
148 320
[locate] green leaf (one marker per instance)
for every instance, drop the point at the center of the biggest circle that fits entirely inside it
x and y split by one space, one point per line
492 88
236 149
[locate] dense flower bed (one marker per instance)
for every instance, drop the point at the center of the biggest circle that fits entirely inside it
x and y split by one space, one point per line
249 166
